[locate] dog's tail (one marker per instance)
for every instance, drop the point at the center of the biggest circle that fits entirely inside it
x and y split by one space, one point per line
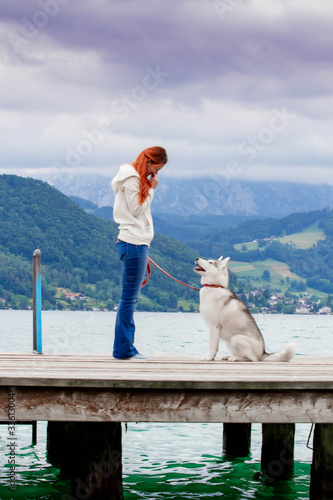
284 355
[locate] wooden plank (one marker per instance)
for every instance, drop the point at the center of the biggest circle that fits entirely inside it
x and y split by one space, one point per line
169 360
115 364
75 404
167 373
209 379
78 370
159 367
175 359
247 371
263 367
157 383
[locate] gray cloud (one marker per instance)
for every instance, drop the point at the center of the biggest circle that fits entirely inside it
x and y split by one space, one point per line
201 78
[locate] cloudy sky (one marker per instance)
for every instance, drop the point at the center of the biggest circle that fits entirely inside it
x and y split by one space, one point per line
233 88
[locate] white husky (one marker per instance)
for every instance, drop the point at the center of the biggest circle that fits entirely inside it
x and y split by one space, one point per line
229 319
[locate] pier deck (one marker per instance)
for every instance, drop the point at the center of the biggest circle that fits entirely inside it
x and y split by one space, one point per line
96 387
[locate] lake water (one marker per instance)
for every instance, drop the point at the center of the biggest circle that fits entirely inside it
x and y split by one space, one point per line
160 461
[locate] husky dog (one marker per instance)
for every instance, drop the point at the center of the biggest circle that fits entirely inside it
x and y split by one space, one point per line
229 319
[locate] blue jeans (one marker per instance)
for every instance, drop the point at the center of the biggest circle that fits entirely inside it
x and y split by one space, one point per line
134 259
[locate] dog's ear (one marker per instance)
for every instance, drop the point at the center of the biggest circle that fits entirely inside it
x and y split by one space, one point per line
225 262
220 259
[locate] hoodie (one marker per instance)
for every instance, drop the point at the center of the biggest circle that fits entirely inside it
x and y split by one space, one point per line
135 221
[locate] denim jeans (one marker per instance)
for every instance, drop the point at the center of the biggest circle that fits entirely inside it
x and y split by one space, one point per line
134 259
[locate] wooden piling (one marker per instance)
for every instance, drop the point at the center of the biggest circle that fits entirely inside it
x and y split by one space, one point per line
277 452
34 433
88 453
236 439
321 486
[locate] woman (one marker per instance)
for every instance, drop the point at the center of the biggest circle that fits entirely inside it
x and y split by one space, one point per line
134 187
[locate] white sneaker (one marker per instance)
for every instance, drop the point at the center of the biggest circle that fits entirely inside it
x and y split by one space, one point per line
138 356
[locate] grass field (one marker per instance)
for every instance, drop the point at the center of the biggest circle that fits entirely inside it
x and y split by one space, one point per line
186 304
304 239
250 245
278 271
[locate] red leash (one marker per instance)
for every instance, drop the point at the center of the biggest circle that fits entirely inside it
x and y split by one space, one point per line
167 274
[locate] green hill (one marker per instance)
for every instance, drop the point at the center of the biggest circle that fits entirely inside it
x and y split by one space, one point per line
277 275
263 229
302 239
79 257
301 245
78 253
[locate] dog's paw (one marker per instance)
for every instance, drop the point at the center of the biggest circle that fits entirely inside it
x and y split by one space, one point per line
233 358
225 358
208 358
230 358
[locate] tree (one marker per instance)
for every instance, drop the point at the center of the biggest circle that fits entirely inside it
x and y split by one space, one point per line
266 275
109 305
173 301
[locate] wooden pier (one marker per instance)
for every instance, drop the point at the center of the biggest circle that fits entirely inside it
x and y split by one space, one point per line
99 391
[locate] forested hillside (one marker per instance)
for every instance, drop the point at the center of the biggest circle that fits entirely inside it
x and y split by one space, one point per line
315 264
80 268
259 229
78 253
182 228
213 236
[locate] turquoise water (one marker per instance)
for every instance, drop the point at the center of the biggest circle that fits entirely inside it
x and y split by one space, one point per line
194 467
160 461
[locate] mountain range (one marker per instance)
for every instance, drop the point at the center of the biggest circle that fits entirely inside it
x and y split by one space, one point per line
208 195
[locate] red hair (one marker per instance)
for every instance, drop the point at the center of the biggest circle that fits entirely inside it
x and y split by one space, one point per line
157 155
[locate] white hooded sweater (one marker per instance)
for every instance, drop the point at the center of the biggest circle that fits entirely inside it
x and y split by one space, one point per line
135 221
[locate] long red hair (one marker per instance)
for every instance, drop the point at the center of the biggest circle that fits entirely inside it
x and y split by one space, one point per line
157 155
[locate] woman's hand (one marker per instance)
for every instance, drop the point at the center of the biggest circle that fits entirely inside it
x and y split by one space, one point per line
154 181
